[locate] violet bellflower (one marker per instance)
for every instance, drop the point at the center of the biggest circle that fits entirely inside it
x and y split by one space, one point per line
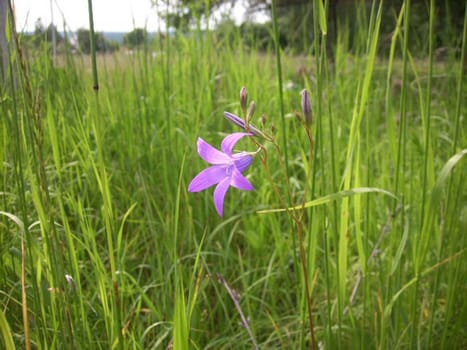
226 169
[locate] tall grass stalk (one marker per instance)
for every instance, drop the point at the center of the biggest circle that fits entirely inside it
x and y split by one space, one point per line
114 316
322 83
300 230
452 202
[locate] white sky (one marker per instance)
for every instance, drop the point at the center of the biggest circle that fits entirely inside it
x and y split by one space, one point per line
109 15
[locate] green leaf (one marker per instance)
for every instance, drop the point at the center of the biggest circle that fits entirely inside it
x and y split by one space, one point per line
180 331
429 219
7 27
6 333
330 198
322 18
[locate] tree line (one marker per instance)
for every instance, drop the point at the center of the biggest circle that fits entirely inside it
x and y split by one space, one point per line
81 40
346 16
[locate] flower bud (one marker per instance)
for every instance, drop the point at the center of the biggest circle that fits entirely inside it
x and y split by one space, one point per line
243 99
273 128
306 107
251 111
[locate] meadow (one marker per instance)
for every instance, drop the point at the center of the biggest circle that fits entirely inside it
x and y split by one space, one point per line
357 219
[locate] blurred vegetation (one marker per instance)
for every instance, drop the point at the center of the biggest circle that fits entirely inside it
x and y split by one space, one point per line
296 22
102 44
295 26
137 37
46 35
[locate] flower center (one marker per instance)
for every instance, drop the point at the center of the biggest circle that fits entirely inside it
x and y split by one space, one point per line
229 168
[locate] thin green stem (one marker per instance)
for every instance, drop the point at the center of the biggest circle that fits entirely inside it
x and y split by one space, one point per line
279 87
92 38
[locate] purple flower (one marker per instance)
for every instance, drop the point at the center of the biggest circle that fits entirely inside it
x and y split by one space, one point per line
226 169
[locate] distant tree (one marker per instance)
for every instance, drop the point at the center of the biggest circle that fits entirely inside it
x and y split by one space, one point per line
39 27
51 32
41 34
181 14
136 37
102 44
84 42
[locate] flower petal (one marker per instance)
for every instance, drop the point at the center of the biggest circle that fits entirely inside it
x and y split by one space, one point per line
219 195
211 154
239 181
229 141
207 178
242 161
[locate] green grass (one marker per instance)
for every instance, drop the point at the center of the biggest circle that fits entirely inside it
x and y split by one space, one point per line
95 187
